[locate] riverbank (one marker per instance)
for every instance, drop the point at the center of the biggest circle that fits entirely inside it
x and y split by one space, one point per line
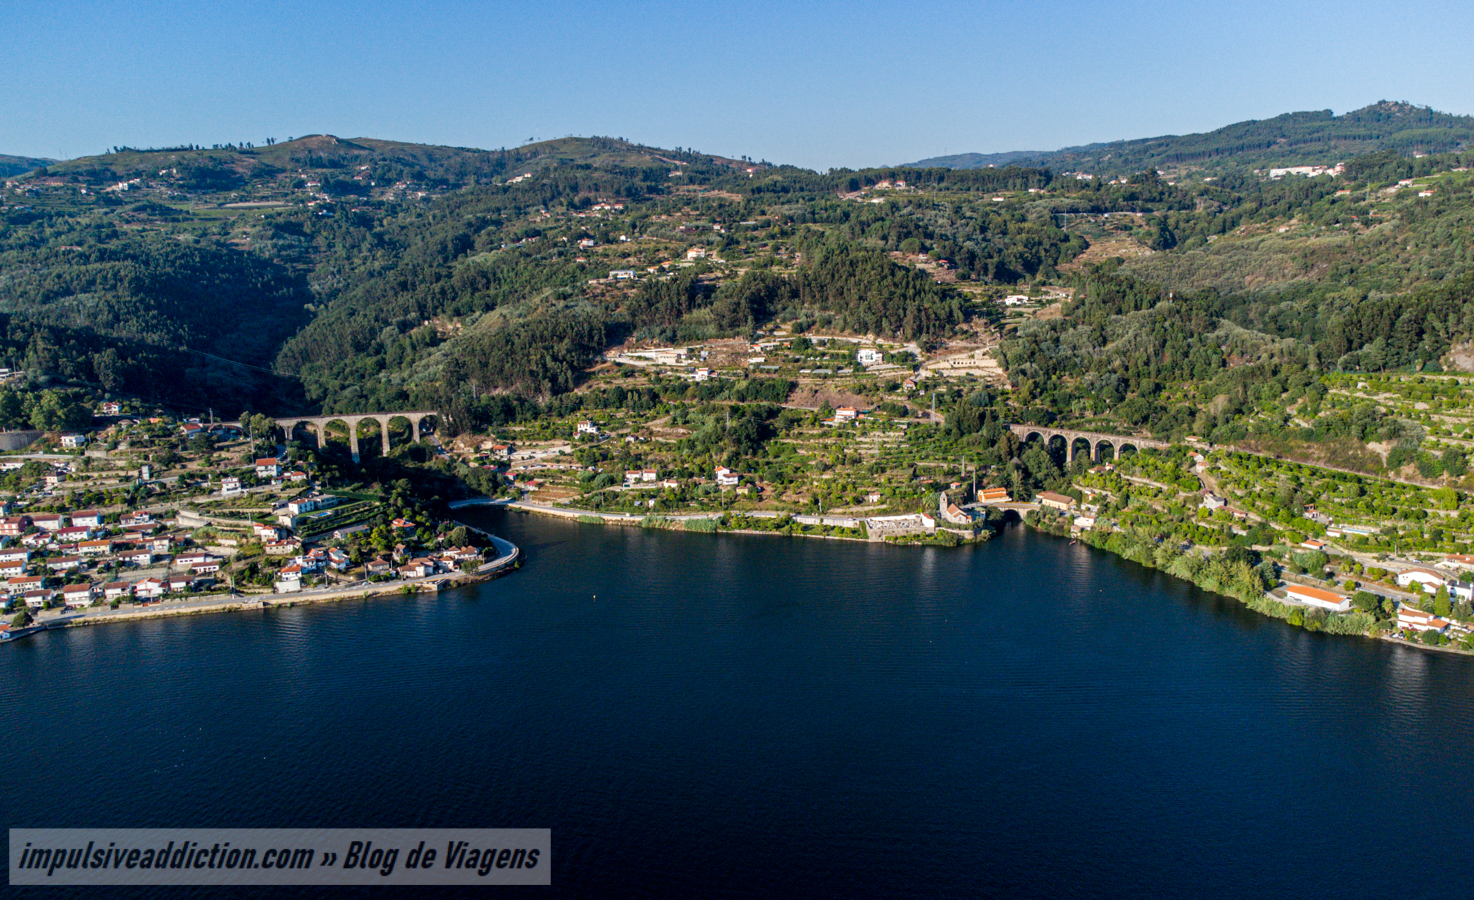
798 525
1238 581
510 559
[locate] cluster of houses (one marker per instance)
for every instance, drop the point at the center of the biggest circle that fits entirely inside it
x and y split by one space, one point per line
81 558
53 556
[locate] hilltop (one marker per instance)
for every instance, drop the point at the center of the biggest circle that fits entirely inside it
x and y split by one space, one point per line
324 165
1292 139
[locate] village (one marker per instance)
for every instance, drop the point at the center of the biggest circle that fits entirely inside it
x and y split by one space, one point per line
88 526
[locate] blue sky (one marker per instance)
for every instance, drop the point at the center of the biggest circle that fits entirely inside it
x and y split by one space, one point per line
816 84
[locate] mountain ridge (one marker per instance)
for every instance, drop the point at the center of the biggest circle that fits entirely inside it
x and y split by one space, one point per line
1290 139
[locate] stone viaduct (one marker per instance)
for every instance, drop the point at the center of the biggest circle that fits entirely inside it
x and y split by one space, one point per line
1093 439
319 424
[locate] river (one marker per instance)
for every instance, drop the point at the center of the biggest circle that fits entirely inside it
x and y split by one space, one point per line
729 715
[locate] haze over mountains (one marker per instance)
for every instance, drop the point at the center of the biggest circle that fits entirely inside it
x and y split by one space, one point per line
1292 139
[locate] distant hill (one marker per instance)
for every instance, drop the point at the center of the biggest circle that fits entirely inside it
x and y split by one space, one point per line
323 164
1292 139
19 165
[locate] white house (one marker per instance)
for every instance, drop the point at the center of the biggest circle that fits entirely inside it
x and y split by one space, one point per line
1316 597
289 579
587 427
49 521
78 595
727 478
91 518
230 485
418 568
74 441
1416 620
1430 580
869 356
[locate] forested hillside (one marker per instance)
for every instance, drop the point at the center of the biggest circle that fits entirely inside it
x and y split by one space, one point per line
1292 139
16 165
342 275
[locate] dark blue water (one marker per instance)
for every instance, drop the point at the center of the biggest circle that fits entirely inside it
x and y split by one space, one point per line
696 715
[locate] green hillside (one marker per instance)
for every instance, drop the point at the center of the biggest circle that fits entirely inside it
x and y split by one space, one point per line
342 275
19 165
1292 139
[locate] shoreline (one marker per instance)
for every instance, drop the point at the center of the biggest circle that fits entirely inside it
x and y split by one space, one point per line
631 520
509 561
254 602
1389 637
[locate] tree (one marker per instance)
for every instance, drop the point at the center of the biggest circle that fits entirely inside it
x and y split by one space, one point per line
111 373
12 410
59 411
21 619
262 428
1454 463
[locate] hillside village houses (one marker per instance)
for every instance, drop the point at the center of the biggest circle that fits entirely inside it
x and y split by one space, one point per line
52 556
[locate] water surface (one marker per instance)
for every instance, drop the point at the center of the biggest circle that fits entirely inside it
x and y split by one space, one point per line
743 715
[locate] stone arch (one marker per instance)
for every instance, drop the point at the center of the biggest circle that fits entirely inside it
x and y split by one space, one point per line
367 428
1057 439
291 429
1126 445
398 426
1081 442
1105 450
327 426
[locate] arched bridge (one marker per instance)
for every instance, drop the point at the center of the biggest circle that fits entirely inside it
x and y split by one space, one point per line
1094 439
319 425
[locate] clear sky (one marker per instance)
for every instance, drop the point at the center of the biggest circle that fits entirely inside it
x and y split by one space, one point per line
818 84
